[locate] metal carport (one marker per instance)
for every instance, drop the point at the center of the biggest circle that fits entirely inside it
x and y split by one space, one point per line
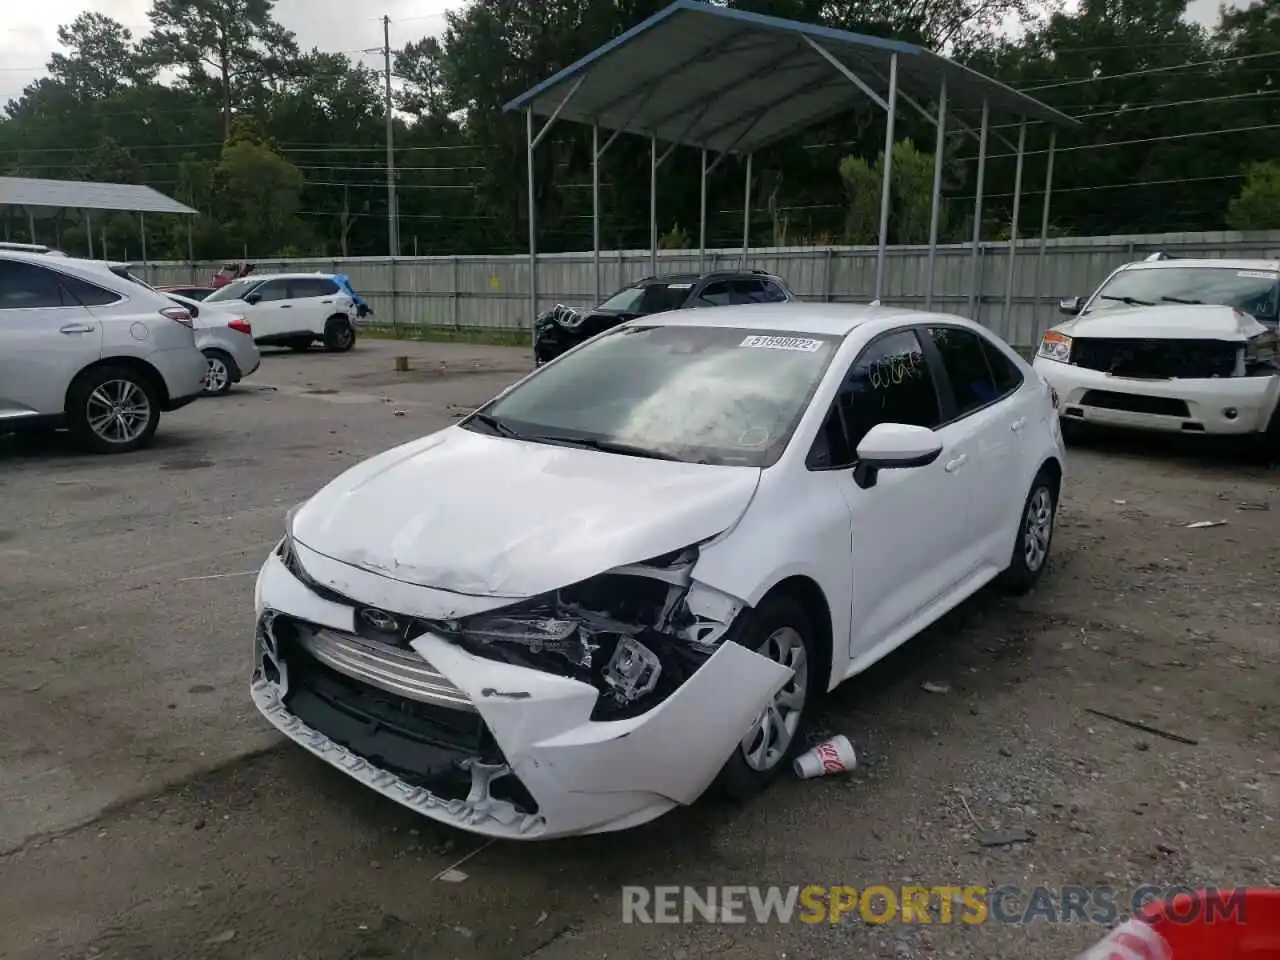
29 195
731 82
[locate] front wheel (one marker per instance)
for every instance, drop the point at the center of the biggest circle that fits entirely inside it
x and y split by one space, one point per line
1035 535
339 335
780 630
113 409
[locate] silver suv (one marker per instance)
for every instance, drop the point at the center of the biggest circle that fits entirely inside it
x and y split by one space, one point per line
85 349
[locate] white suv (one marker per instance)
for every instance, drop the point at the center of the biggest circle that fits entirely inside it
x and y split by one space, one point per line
85 349
294 309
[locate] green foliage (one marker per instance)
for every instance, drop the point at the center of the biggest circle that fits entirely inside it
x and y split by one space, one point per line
1257 205
677 238
308 172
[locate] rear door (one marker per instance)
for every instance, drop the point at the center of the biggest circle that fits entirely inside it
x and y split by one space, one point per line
988 424
48 334
315 300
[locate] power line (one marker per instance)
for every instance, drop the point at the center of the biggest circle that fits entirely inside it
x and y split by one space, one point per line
1126 143
1148 71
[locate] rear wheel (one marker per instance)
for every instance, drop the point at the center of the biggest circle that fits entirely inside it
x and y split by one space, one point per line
220 373
1035 535
113 409
339 335
780 630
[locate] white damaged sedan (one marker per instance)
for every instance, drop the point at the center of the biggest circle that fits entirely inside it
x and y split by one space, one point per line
630 576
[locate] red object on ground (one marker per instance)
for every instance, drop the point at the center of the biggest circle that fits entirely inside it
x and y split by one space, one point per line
1211 925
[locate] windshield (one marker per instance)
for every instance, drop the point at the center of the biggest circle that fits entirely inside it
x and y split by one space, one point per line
235 290
646 298
1253 291
715 395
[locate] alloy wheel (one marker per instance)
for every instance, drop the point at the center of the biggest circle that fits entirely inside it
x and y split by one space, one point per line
118 411
770 738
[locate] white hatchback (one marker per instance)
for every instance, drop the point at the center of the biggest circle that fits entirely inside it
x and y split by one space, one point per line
631 575
83 348
293 309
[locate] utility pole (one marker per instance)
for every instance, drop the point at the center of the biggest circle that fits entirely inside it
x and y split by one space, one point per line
393 231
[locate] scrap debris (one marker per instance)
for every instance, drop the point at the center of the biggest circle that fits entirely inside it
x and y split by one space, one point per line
935 686
1154 731
1201 524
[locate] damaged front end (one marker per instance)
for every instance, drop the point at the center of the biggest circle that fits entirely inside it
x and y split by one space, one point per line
635 634
595 707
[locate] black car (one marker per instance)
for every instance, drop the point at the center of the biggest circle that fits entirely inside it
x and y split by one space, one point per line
561 328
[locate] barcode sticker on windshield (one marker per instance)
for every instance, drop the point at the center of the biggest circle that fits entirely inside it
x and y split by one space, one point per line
1256 274
803 344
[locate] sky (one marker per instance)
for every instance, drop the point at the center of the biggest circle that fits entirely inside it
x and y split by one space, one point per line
28 32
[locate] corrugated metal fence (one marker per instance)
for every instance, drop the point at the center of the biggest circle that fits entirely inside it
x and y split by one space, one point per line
492 293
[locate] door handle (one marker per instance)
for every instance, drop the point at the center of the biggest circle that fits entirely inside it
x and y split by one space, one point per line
1018 424
956 463
326 301
77 328
286 306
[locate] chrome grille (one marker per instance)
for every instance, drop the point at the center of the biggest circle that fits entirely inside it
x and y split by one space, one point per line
393 669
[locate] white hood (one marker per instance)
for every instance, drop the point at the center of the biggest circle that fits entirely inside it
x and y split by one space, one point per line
488 516
1165 322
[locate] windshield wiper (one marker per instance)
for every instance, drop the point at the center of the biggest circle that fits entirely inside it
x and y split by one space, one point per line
604 446
1127 301
1180 300
496 425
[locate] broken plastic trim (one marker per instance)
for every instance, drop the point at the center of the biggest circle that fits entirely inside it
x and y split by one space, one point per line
636 633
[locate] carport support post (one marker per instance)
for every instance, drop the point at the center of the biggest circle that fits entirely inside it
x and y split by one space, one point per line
886 185
142 230
977 209
653 205
1044 216
88 230
191 251
533 233
31 225
702 218
1013 231
935 209
595 204
746 215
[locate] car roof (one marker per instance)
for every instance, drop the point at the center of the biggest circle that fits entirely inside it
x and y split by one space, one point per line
693 277
831 319
286 276
1221 262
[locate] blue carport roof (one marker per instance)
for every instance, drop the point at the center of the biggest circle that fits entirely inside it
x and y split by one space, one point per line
724 79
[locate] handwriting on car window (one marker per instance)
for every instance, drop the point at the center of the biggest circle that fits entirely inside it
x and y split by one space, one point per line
885 372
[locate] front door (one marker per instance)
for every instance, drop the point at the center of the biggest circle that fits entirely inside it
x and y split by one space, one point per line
273 314
47 336
910 528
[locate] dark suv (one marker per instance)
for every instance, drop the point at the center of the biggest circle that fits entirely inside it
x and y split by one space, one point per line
560 329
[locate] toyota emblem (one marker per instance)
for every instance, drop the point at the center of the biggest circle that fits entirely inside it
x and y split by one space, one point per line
380 620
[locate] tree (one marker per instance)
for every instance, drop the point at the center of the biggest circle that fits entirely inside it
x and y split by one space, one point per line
910 194
238 40
1257 205
419 66
258 193
101 59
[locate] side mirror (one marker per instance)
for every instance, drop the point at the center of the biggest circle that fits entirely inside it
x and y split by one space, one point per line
1070 306
253 298
894 446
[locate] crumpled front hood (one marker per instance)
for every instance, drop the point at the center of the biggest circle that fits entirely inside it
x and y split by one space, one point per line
488 516
1172 321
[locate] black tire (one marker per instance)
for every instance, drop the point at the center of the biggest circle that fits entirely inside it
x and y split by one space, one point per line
339 334
97 392
1024 569
740 778
300 344
222 372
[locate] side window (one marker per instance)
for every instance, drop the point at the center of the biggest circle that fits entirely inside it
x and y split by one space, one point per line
24 286
1008 378
747 291
890 382
86 293
966 364
304 288
715 294
773 293
272 290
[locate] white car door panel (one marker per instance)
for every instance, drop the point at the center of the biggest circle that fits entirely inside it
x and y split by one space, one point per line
272 314
910 528
46 338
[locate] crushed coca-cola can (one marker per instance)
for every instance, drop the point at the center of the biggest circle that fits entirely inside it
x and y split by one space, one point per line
831 756
1132 940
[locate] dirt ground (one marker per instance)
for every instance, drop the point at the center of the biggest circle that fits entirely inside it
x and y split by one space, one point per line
146 811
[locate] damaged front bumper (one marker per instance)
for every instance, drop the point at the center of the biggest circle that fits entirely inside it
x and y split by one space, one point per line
491 747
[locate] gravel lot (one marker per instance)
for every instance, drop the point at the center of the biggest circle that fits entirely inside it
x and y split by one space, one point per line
147 811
